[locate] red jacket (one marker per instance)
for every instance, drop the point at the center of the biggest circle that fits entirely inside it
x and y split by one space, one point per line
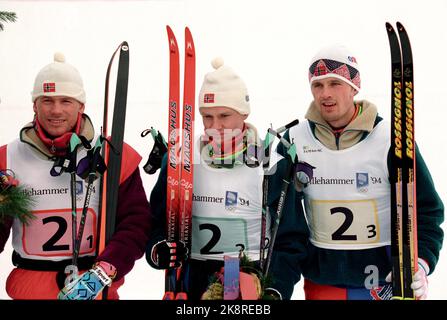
128 243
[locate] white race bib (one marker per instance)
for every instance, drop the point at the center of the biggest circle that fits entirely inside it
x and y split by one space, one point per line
344 222
214 236
50 234
348 199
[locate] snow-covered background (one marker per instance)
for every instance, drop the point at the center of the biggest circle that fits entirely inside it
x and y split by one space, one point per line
268 42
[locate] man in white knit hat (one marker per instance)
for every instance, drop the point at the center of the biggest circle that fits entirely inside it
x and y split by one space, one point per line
44 246
348 201
224 105
227 194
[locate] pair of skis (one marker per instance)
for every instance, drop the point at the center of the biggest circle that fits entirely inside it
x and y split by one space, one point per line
180 160
404 253
88 168
112 150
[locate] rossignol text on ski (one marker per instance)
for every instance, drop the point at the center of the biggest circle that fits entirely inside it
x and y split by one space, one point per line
403 165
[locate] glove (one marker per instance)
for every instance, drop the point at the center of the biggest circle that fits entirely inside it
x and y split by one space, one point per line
90 284
304 173
420 281
169 254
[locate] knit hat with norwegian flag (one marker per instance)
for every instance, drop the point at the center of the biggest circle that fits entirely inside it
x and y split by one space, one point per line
59 79
224 88
335 61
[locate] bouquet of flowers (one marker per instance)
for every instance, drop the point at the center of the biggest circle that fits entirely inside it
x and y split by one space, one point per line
253 278
14 201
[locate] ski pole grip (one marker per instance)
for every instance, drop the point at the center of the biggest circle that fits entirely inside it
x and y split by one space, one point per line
287 126
283 141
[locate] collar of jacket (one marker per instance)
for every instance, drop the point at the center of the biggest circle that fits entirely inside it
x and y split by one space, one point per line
29 136
353 133
236 159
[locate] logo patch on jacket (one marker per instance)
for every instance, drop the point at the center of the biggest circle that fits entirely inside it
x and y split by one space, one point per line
362 181
230 200
79 187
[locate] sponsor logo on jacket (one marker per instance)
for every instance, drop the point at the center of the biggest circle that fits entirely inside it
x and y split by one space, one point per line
307 149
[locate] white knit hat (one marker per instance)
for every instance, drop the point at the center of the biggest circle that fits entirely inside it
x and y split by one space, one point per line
59 79
335 61
224 88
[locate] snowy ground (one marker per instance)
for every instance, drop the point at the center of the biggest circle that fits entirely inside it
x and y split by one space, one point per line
269 43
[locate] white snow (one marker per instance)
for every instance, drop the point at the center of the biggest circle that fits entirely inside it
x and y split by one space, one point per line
268 42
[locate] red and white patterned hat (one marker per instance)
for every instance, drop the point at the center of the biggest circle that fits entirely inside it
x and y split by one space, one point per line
335 61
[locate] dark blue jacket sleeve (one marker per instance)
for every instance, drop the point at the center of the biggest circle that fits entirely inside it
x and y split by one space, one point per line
289 251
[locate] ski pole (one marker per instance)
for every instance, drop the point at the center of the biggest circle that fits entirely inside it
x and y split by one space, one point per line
92 164
291 152
268 142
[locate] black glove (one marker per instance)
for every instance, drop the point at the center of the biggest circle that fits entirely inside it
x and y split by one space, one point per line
158 151
169 254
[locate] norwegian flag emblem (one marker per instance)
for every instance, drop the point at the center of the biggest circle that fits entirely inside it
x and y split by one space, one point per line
49 87
208 98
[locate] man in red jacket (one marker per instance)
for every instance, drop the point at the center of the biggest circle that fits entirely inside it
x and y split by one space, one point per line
43 246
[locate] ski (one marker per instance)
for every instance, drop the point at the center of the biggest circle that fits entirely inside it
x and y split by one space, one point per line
409 173
113 150
173 170
187 153
403 164
180 178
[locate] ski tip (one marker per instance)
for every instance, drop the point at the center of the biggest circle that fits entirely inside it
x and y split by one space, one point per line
124 46
172 41
189 42
400 26
170 32
389 26
188 33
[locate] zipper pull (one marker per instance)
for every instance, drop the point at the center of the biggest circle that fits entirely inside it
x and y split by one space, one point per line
53 147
